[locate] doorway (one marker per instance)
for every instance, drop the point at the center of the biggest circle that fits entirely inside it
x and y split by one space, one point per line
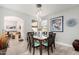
15 26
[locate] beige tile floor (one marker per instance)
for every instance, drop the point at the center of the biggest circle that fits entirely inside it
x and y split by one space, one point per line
20 48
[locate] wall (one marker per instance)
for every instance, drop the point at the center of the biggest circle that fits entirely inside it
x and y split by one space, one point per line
70 33
8 12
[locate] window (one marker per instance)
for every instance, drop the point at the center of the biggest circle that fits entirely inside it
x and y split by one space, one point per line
43 25
34 25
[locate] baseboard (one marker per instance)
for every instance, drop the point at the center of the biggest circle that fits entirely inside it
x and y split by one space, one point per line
64 44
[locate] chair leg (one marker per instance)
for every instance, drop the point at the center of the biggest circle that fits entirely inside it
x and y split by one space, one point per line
40 50
27 45
54 45
51 48
30 48
27 40
48 50
33 50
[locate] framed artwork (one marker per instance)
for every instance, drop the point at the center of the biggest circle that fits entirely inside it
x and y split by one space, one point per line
56 24
10 25
10 28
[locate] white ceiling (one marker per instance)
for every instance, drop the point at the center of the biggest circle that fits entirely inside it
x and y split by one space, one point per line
31 9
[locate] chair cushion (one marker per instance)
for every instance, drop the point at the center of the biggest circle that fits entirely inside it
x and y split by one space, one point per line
36 44
45 43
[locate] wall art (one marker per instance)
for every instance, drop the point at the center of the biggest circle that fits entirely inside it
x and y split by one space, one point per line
56 24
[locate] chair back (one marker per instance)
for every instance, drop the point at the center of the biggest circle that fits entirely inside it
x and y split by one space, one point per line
50 34
54 35
29 34
51 39
30 37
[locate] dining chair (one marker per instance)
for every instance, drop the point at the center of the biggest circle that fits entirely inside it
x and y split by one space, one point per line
29 41
49 42
32 42
28 34
35 44
52 34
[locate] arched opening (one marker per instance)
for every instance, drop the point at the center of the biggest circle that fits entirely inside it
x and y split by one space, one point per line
15 26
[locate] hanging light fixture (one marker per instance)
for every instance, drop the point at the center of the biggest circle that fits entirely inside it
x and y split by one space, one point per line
38 16
38 13
39 5
39 19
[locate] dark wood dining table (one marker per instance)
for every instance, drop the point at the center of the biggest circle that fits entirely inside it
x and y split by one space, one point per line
41 39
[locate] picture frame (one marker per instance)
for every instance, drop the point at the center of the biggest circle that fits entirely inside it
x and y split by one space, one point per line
56 24
10 28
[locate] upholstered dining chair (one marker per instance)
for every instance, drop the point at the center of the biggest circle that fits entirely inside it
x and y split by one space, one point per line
50 41
35 44
32 42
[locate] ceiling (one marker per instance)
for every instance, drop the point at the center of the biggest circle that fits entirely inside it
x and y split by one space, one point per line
46 9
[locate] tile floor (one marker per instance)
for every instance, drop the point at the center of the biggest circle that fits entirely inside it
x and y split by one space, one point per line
20 48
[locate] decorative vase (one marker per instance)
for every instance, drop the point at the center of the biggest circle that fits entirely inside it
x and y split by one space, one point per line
76 44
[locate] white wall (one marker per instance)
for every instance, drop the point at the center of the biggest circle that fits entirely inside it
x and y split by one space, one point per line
70 33
7 12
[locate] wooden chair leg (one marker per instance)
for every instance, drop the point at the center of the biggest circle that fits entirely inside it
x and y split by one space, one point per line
27 40
40 50
51 48
27 45
33 50
54 45
30 48
48 50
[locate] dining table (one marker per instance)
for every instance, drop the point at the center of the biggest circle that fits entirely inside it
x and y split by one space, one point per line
41 39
